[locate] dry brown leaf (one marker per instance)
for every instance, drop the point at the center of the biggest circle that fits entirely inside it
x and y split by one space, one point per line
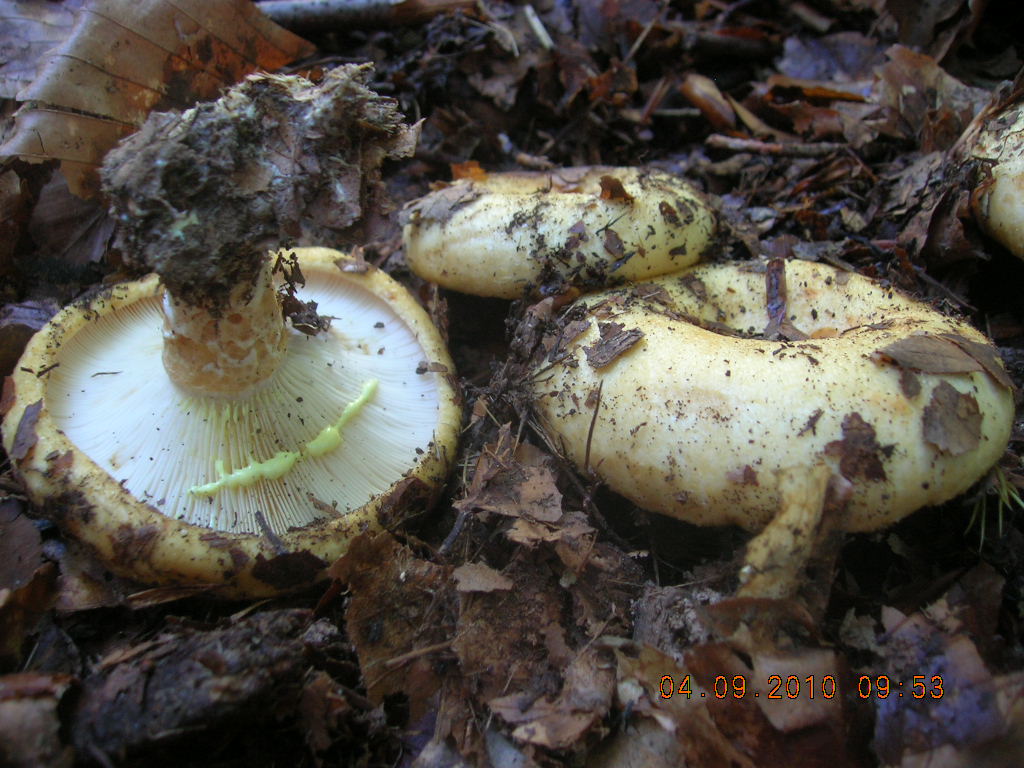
21 608
935 105
477 577
945 353
560 722
21 551
515 482
29 30
123 59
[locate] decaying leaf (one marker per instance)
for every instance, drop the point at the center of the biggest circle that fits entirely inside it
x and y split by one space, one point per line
945 353
559 722
477 577
30 724
612 189
122 59
952 420
20 546
25 435
397 618
28 32
515 482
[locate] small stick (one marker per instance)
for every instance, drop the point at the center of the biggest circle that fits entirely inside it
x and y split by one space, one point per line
795 149
324 15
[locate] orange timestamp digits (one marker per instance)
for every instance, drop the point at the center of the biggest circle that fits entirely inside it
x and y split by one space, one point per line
810 687
789 687
880 686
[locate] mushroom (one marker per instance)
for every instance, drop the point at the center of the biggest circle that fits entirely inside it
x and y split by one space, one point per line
661 389
586 227
998 201
233 450
664 392
288 402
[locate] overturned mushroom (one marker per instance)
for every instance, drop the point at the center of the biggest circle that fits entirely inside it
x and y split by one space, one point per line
586 227
661 390
237 420
248 464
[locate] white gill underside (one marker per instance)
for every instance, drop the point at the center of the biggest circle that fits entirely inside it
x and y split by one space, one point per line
114 401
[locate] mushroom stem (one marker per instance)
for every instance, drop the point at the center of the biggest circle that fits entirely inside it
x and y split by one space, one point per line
230 353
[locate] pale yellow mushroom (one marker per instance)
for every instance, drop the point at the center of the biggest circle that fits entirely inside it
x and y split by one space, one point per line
233 449
586 227
998 200
663 391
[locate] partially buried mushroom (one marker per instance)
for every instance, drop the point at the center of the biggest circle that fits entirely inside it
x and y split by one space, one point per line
998 200
238 450
236 420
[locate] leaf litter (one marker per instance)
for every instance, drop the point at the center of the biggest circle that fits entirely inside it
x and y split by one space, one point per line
532 617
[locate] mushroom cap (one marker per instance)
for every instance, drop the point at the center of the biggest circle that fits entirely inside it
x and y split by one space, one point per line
588 227
113 452
911 407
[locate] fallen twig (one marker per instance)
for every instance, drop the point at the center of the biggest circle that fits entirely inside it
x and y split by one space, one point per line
790 149
322 15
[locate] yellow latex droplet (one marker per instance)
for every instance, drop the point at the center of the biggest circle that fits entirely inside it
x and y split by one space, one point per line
328 439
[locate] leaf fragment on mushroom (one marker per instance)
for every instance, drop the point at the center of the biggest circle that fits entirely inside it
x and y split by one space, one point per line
612 189
952 420
614 341
25 436
858 452
930 354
